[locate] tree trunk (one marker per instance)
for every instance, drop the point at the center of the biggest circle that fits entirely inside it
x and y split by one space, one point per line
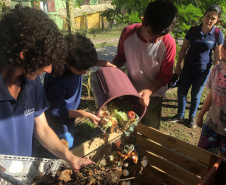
68 17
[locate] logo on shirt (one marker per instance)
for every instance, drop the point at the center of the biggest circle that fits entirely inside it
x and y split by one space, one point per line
209 42
29 111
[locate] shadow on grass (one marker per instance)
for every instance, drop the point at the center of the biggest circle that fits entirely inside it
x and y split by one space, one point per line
185 122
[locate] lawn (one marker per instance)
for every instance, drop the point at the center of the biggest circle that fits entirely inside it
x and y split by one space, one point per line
179 130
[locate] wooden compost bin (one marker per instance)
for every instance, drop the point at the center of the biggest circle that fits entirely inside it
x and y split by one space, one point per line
173 161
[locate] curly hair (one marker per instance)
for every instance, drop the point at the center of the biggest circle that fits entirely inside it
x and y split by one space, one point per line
161 16
33 32
81 52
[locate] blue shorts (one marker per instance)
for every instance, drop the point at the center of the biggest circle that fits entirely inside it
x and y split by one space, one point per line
68 136
209 140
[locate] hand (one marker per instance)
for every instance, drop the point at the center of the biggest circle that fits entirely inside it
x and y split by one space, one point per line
199 121
108 64
105 63
178 69
2 169
94 119
78 162
146 93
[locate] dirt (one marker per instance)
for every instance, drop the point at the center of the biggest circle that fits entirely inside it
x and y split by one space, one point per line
179 130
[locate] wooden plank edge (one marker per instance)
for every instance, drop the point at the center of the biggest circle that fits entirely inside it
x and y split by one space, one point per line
87 147
171 180
172 169
211 176
179 159
186 148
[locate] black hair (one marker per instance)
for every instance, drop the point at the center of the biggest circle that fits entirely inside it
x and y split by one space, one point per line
31 31
215 8
160 15
81 52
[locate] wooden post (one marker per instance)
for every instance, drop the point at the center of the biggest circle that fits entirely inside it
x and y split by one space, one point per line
102 22
86 23
70 16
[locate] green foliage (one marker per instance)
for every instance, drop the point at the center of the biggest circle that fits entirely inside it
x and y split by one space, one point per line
126 12
109 14
128 18
189 15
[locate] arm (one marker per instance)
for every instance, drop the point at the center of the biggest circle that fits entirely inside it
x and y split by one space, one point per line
104 63
217 54
207 104
2 169
81 113
181 56
51 142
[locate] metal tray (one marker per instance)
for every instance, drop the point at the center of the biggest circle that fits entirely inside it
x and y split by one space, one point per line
21 170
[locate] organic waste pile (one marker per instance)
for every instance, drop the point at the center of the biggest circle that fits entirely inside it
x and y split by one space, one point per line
116 117
113 169
122 166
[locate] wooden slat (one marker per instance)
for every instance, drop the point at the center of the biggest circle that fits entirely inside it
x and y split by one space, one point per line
211 177
171 169
221 179
93 144
173 181
173 156
174 143
170 179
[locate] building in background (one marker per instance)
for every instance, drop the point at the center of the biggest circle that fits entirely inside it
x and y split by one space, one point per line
86 16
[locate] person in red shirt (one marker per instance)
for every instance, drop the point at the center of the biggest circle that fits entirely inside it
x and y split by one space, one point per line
149 51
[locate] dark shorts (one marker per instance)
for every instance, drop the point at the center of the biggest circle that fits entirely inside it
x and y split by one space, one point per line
209 140
152 116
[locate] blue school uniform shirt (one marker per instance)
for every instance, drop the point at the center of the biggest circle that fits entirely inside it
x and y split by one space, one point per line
17 116
63 94
200 50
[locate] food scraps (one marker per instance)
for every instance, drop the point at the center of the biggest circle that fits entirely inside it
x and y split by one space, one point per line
115 118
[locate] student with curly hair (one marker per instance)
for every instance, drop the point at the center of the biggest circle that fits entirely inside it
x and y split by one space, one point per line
64 92
30 44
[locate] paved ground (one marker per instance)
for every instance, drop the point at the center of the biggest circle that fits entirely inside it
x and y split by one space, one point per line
106 53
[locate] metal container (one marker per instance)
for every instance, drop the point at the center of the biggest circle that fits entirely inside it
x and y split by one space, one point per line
21 170
109 83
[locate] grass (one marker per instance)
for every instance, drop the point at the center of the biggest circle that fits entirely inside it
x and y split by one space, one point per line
179 130
105 38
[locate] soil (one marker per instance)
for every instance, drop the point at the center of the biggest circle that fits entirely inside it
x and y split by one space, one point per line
179 130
